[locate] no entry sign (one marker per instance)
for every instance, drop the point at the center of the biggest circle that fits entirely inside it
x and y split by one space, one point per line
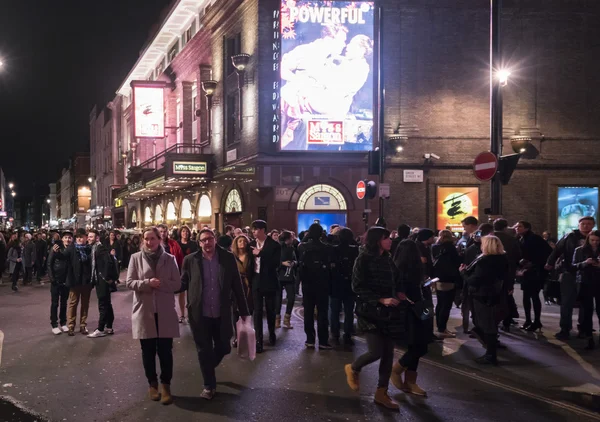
485 166
361 189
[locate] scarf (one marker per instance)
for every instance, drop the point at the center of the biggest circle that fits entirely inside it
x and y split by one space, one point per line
94 247
83 251
153 257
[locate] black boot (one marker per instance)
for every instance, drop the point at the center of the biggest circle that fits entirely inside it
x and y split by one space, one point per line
490 355
591 345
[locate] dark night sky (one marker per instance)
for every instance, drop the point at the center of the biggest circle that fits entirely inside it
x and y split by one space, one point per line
60 58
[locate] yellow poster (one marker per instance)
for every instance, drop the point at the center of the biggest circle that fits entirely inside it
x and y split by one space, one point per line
454 203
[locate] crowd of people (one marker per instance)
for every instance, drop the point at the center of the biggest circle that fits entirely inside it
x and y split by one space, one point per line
386 279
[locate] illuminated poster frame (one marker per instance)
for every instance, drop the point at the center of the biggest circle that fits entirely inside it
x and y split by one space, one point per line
572 203
305 116
148 109
453 204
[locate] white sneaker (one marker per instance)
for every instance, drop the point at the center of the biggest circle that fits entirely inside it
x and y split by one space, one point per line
56 331
97 333
64 328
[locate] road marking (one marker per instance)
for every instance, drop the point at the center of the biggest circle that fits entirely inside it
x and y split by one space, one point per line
1 341
564 406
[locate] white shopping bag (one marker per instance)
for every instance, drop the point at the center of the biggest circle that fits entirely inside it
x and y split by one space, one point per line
246 338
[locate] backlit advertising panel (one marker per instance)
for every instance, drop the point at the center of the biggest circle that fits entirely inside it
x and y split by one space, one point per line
149 111
327 75
454 204
575 202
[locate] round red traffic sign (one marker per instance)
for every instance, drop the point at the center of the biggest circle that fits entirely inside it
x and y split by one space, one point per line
485 166
361 189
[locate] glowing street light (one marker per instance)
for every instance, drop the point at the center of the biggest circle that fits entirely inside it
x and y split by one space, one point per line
503 75
90 179
13 194
48 200
11 185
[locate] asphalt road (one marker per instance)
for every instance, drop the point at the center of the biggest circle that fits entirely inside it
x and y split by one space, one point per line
79 379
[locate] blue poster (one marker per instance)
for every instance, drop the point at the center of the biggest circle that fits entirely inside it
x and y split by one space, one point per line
327 73
325 219
574 203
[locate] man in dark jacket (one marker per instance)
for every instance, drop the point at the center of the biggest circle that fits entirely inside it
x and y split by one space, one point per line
79 280
513 253
565 250
211 278
265 283
105 274
315 258
344 256
41 251
57 272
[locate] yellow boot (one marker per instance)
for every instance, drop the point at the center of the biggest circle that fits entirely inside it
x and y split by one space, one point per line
352 378
396 377
166 394
410 384
382 399
278 321
153 392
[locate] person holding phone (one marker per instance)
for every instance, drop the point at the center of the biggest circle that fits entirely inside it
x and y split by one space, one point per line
587 261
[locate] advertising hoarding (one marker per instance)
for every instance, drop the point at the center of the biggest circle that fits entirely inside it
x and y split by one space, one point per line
327 75
575 202
454 204
149 111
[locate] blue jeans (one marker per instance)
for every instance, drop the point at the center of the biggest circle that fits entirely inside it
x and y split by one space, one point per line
568 293
336 307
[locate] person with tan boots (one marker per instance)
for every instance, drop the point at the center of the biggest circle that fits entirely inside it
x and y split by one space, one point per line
79 280
153 276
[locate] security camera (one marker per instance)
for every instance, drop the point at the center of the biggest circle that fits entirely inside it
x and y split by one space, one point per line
430 155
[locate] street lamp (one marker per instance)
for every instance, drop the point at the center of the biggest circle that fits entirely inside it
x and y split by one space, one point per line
11 185
240 62
209 87
503 75
48 200
90 179
13 194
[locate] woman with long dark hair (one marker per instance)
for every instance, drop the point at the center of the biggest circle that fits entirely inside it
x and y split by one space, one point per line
188 246
245 263
374 280
416 337
154 277
587 261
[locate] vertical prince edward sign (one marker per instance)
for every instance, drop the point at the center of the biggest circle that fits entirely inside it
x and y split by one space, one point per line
327 75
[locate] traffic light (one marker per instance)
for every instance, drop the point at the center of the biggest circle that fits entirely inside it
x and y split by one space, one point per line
371 189
373 162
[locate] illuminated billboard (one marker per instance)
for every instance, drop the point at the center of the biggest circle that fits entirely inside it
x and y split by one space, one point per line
575 202
454 204
149 114
327 75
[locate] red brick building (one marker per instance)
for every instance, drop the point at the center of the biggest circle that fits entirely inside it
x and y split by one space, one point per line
435 56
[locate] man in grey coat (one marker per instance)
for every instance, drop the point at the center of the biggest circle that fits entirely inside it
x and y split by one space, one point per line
211 279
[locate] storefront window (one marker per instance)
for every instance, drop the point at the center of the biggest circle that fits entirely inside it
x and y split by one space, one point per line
233 203
186 210
158 214
171 216
204 207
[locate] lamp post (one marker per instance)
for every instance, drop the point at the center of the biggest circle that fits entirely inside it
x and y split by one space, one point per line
11 185
498 78
240 62
209 87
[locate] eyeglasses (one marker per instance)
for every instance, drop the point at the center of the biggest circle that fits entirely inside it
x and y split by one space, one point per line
206 239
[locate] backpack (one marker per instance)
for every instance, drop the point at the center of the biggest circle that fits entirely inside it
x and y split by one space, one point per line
313 263
345 264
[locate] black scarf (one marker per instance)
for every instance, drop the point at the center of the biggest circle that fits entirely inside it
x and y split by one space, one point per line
153 257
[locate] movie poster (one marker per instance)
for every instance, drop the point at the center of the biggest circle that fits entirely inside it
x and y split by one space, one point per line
327 75
574 203
149 111
454 204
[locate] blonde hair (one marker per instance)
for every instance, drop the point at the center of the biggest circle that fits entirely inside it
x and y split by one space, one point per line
445 236
491 245
234 246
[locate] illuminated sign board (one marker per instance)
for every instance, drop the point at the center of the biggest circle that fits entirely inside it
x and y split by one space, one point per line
575 202
326 75
149 111
189 167
454 204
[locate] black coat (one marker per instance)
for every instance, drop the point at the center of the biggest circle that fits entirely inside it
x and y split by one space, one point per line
565 249
485 277
586 274
315 280
267 280
58 268
117 247
535 251
288 253
79 273
107 271
446 263
344 256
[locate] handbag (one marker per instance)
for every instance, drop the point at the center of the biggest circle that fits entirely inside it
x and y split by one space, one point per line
373 312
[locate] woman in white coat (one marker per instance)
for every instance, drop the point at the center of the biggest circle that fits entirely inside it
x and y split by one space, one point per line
154 277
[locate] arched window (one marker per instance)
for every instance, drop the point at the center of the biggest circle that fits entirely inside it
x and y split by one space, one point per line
186 210
233 203
204 207
171 216
322 197
134 216
148 215
158 215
